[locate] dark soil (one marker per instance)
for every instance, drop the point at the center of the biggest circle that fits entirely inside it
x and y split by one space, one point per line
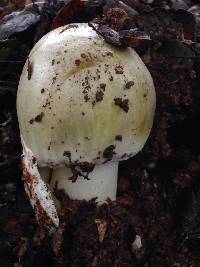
158 190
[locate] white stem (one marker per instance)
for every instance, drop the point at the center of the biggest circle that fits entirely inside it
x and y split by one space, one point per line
102 183
45 173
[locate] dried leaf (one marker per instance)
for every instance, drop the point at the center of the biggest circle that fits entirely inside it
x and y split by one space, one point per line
69 13
18 21
188 22
93 8
102 227
195 10
179 4
147 1
44 25
133 14
127 38
160 25
178 52
12 5
134 38
110 36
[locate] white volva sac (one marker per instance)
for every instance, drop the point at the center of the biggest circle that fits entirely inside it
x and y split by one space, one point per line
83 105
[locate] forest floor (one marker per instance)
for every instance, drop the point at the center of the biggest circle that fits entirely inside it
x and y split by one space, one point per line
158 198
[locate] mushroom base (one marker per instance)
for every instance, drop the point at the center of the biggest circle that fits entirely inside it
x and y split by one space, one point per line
102 182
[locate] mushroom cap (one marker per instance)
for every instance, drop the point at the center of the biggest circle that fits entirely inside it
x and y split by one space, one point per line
83 101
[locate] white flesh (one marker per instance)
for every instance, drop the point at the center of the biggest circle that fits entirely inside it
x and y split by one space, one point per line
102 183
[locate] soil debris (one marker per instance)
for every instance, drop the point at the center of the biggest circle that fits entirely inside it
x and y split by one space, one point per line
122 103
159 189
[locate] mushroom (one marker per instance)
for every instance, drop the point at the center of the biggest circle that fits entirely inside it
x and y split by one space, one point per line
83 105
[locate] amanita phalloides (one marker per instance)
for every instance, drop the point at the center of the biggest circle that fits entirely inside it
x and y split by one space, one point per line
83 105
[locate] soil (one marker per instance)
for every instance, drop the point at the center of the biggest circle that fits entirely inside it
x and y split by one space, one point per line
158 199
